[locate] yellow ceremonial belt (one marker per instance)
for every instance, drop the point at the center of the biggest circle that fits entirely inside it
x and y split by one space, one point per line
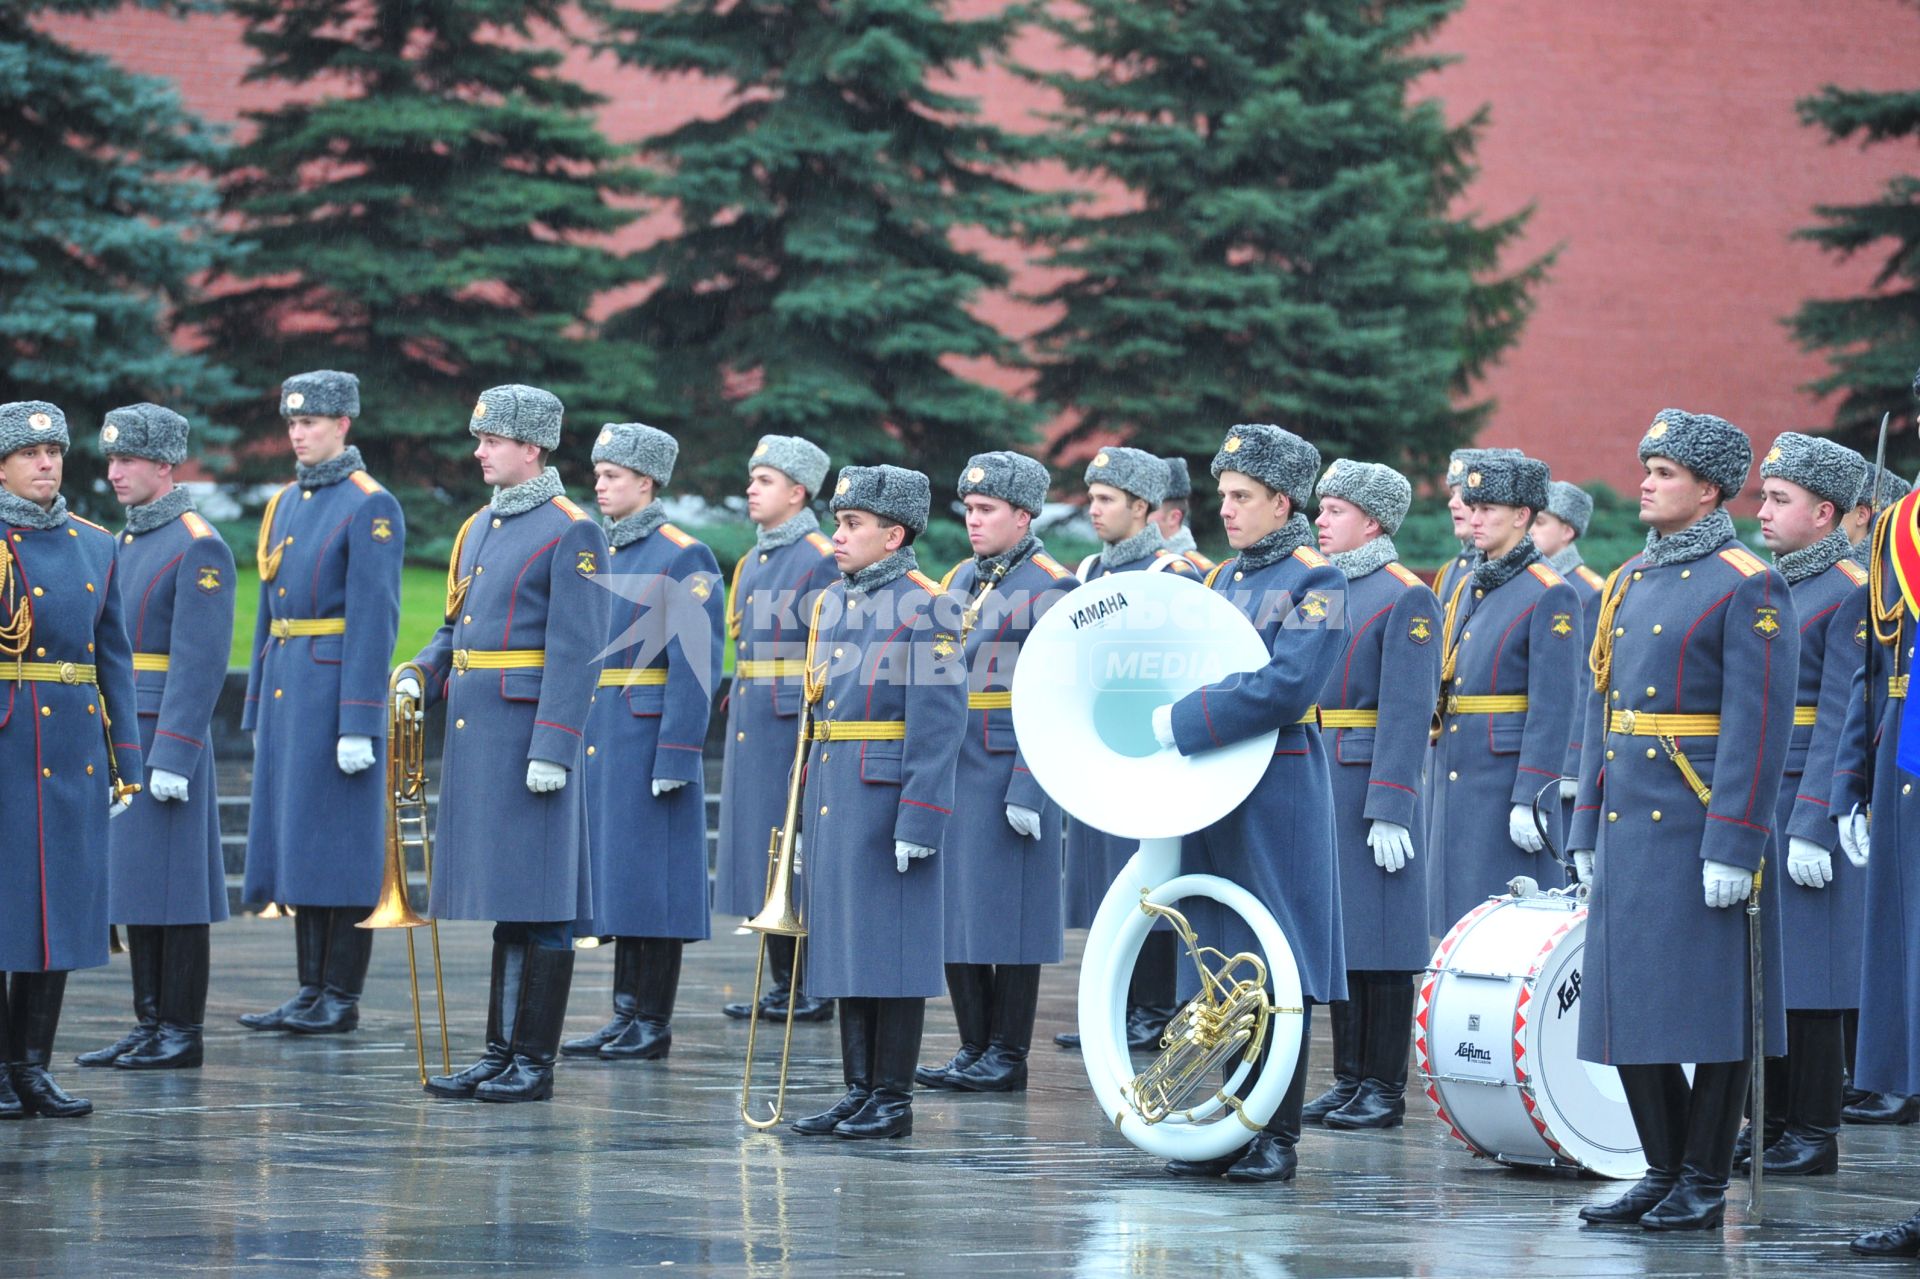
151 661
860 730
632 677
1493 704
1806 714
1000 701
51 672
1349 719
287 627
770 668
1311 717
1897 687
501 659
1648 724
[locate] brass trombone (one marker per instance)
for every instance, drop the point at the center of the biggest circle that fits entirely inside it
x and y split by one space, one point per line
407 828
780 917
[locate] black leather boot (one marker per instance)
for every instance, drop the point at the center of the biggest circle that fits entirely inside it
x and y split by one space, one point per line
1657 1099
626 988
536 1029
503 1008
1003 1067
888 1112
1816 1081
310 958
806 1007
1883 1108
1698 1201
1347 1018
183 1003
349 948
970 987
10 1105
1381 1101
1153 997
1899 1240
1777 1070
143 963
780 968
1068 1039
856 1066
1270 1156
34 1003
650 1034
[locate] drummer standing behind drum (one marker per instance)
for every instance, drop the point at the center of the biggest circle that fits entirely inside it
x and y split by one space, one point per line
1512 631
1001 866
1278 844
167 880
65 671
646 734
770 606
1124 486
1694 666
879 796
517 662
1807 486
330 551
1374 713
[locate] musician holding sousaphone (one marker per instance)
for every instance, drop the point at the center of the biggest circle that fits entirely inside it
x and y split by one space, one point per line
517 663
66 694
1277 843
892 706
1688 724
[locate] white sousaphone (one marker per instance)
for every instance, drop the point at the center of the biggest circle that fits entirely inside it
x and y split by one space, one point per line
1091 673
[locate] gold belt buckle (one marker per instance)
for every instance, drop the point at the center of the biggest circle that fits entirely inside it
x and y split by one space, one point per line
68 675
1453 703
1627 720
461 661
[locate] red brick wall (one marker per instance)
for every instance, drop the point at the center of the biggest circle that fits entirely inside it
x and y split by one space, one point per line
1658 142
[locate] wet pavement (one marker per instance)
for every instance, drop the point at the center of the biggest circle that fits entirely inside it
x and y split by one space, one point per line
322 1155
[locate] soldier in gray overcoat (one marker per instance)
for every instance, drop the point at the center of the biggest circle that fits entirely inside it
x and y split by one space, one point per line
1807 486
1174 516
1875 496
517 663
1693 669
1375 712
1877 808
1124 486
892 706
1279 843
1557 532
330 551
69 748
646 738
1001 865
769 608
167 880
1512 631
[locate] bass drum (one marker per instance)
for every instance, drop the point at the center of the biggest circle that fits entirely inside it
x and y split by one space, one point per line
1496 1037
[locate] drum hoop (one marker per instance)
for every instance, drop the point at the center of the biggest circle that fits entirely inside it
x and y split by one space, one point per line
1521 1019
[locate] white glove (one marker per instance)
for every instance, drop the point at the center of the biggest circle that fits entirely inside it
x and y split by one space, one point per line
543 776
666 786
408 686
1583 865
1726 885
1521 830
354 754
1808 864
1853 837
115 807
1392 845
903 852
1163 725
1569 788
1025 821
164 786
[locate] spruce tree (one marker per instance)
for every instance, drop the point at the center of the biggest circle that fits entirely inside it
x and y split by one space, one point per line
1288 246
104 228
817 284
1871 341
436 224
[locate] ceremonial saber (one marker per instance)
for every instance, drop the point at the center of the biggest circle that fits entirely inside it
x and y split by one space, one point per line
1757 1059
